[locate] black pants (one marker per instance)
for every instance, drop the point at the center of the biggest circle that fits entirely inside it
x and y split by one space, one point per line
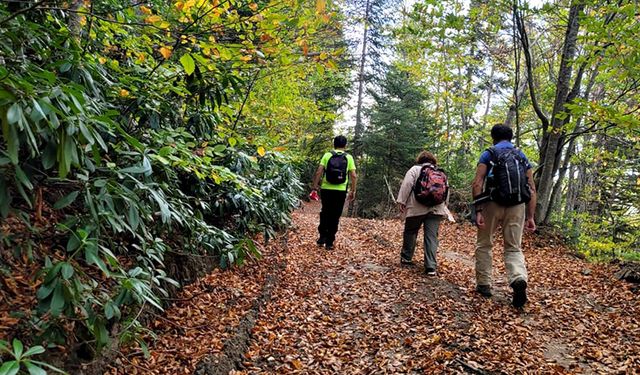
332 204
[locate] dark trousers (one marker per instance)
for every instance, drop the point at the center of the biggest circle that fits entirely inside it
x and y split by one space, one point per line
411 227
332 204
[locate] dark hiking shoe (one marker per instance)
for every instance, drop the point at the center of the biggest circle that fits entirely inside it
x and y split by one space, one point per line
329 246
484 290
519 293
321 241
430 272
406 262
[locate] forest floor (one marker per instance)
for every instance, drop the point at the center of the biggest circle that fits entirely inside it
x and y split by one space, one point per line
355 310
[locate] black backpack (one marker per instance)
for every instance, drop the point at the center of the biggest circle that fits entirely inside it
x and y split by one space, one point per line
336 172
507 182
432 186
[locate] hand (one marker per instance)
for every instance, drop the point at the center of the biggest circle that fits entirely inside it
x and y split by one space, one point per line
480 220
530 224
351 196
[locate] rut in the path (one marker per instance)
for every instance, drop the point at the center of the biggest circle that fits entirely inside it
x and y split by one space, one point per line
356 310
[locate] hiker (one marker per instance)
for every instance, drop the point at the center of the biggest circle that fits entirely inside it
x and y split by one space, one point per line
422 199
504 193
337 170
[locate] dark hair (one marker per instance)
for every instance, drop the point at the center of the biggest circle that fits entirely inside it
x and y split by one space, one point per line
426 157
340 141
501 132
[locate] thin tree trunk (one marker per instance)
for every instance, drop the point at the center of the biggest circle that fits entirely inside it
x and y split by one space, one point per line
511 114
556 193
548 156
489 93
359 128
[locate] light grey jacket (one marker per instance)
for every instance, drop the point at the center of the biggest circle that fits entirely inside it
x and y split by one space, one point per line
406 196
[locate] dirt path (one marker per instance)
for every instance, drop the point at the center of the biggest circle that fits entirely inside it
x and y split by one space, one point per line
355 310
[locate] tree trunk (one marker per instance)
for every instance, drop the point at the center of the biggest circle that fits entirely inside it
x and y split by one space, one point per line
359 128
511 114
548 155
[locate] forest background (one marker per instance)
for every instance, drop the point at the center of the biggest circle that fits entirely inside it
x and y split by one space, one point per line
144 141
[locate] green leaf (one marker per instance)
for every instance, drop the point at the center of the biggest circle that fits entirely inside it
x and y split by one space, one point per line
57 301
67 271
111 310
37 113
91 256
10 368
22 178
10 134
33 351
45 290
33 369
187 63
66 200
18 348
14 114
5 197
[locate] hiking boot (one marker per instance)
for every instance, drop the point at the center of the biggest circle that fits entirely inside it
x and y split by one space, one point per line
321 241
519 293
484 290
430 272
406 262
329 246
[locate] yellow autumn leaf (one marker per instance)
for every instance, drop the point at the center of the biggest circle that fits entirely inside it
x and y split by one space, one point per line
188 5
280 149
246 58
261 151
165 52
253 6
145 10
323 56
124 93
153 19
321 5
179 5
102 60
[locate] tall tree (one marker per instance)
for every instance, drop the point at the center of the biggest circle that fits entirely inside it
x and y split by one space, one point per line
374 17
399 129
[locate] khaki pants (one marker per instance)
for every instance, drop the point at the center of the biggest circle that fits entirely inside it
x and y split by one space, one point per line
512 220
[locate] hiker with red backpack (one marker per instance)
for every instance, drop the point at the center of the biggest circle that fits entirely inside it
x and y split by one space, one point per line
422 199
504 194
337 173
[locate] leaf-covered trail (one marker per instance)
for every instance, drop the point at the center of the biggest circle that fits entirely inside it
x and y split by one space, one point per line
356 310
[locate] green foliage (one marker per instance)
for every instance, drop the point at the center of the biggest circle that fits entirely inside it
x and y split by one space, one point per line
23 361
398 132
147 130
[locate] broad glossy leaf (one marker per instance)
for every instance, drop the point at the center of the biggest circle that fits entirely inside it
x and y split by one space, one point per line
66 200
187 63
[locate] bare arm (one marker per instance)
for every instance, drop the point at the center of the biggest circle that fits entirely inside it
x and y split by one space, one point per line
353 178
531 206
317 177
476 190
478 181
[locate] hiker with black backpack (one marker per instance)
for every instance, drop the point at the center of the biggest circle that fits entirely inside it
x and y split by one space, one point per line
504 194
422 199
337 172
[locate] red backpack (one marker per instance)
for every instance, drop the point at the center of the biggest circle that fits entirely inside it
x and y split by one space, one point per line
432 186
